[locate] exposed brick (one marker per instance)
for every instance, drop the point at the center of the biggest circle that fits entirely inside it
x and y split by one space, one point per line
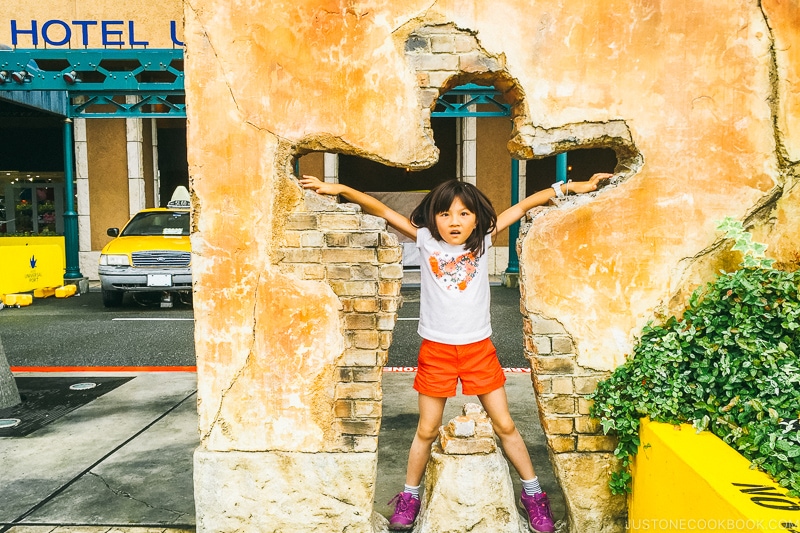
553 365
423 80
561 444
586 385
310 239
348 255
368 409
345 374
366 240
444 43
428 96
542 384
343 409
334 221
355 426
365 305
359 321
562 385
464 43
385 339
359 358
561 405
291 239
367 373
301 255
362 443
545 326
596 443
386 321
383 357
390 255
394 271
417 44
539 344
369 222
314 271
389 240
364 272
479 62
562 344
584 405
585 424
366 339
557 425
358 390
353 288
389 287
338 271
390 305
337 239
301 221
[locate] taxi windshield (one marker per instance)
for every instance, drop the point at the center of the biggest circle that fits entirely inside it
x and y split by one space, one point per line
169 223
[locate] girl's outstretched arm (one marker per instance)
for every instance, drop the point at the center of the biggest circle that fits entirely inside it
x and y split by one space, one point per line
368 204
517 211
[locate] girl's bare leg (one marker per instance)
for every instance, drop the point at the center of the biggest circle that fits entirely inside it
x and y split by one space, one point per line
431 410
496 405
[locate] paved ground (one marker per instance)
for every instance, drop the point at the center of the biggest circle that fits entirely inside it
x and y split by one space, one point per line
123 462
125 459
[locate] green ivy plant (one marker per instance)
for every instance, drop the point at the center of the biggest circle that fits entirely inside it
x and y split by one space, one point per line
729 365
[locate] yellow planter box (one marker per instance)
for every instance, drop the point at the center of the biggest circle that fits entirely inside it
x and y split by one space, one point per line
30 263
685 481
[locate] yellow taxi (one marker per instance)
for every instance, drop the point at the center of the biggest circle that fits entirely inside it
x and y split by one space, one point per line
152 253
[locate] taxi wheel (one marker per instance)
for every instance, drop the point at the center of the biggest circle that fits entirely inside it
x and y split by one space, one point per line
112 298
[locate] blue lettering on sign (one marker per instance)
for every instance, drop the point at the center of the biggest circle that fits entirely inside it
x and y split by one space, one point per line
60 33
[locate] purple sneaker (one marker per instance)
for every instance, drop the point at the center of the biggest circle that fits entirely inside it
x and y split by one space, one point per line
537 509
405 511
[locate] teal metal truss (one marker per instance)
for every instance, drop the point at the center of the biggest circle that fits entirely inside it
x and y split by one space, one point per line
463 101
131 83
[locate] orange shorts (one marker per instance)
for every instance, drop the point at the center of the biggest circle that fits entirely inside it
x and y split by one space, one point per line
440 366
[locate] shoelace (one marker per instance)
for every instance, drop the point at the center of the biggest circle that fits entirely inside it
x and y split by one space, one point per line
402 504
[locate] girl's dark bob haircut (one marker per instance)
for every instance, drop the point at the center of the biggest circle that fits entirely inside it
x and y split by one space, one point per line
441 198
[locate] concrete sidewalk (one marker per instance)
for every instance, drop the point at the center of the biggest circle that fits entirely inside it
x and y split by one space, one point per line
123 462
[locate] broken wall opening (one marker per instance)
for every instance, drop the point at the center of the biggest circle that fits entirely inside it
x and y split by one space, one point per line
576 445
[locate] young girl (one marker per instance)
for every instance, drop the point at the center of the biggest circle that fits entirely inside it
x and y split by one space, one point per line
453 227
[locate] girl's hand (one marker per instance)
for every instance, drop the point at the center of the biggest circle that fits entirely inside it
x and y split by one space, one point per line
320 187
580 187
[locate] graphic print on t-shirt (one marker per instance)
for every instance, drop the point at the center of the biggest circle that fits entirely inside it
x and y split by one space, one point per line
453 272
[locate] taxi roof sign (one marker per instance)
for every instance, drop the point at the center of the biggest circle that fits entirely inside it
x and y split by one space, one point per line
180 198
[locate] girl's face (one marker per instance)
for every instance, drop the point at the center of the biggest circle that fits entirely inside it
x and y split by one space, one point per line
456 224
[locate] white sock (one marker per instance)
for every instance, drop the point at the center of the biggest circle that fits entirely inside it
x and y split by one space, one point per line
414 491
531 486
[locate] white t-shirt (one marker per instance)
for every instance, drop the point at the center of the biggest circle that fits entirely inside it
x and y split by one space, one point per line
454 301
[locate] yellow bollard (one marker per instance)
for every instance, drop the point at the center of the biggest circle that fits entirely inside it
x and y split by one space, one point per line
45 292
18 300
66 291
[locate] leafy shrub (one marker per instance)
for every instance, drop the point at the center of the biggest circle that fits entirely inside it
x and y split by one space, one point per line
729 365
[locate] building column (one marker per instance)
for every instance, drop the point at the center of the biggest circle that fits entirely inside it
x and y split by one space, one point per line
88 259
331 166
156 173
467 150
135 141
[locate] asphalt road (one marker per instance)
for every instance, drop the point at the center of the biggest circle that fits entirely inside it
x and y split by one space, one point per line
79 331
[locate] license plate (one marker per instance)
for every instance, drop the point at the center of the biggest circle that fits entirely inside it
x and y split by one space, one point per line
159 280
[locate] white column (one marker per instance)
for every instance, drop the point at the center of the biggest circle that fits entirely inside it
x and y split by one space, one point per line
87 258
469 155
523 189
331 167
134 138
156 172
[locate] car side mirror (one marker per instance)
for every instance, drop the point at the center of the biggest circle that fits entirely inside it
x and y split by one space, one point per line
112 232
